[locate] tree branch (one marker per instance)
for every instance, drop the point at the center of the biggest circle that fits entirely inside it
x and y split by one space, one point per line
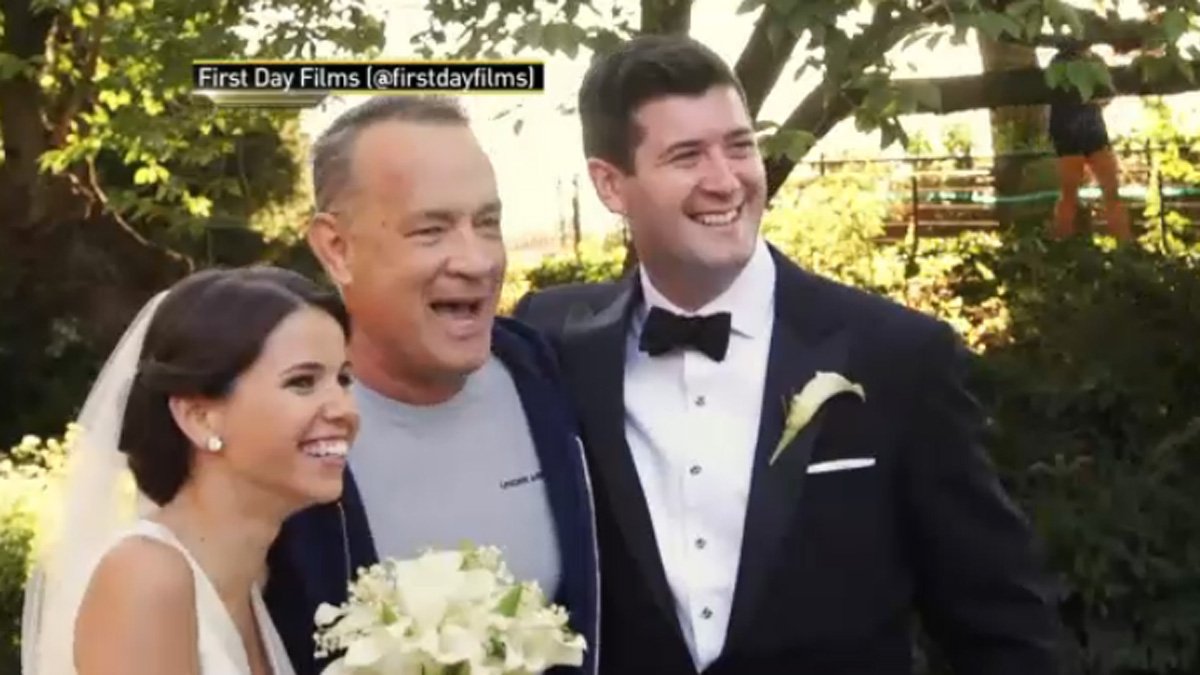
827 104
81 93
1027 86
761 62
666 17
1111 30
1020 87
93 187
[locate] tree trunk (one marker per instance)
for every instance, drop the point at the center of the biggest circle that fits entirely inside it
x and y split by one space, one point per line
71 275
659 17
21 126
1015 130
666 17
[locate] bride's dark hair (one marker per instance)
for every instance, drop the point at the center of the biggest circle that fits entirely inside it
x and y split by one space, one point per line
207 331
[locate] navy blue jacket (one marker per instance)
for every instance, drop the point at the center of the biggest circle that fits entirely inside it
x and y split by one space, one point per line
835 566
312 559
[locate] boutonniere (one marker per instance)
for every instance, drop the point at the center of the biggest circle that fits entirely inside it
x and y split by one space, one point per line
822 387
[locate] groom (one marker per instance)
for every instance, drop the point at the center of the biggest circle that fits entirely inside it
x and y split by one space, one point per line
715 559
465 432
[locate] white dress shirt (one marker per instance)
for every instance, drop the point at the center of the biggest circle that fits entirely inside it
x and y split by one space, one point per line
692 427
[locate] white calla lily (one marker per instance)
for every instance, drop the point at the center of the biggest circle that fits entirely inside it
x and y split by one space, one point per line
822 387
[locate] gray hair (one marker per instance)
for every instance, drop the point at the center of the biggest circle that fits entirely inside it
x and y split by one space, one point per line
332 150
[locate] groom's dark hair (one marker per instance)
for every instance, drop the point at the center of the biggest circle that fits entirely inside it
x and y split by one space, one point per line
641 70
207 331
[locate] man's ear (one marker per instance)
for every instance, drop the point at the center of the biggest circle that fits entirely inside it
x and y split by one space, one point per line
609 181
330 244
199 419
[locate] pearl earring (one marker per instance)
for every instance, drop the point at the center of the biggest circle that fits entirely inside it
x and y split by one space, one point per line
215 444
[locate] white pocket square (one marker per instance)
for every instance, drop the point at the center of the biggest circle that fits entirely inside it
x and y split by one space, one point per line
841 465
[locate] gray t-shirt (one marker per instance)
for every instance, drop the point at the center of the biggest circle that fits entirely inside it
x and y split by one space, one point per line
465 470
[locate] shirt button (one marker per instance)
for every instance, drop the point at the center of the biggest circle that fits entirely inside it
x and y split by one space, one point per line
706 613
695 471
701 543
700 400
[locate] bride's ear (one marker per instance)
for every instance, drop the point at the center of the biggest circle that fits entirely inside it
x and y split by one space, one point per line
331 246
199 419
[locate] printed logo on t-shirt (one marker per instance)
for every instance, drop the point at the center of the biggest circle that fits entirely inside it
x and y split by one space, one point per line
520 480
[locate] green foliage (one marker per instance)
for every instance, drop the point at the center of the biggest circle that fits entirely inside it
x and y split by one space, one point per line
1088 75
25 476
16 537
847 46
1096 428
919 144
834 226
591 267
596 261
957 139
153 167
502 28
1173 154
830 225
162 155
792 143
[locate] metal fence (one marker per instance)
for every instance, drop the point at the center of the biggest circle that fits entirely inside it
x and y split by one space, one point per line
949 194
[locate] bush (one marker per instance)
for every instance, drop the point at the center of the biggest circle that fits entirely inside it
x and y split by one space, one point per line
830 226
25 478
597 261
1097 432
16 538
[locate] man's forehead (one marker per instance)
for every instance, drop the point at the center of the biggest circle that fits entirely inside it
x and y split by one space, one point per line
409 156
398 143
415 190
674 118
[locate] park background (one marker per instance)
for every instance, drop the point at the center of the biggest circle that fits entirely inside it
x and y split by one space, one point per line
907 154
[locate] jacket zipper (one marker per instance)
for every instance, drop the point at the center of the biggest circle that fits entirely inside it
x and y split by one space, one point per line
345 543
587 479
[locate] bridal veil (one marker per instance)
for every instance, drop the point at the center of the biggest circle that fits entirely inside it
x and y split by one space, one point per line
97 503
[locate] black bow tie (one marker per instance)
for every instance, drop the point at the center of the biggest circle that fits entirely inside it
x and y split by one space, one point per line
665 331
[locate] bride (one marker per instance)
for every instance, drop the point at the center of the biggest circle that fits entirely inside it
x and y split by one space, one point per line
227 403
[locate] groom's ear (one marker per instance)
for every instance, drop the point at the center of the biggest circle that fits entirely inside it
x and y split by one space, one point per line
329 243
609 181
197 418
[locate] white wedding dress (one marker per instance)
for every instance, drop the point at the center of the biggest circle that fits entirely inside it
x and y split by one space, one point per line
92 517
222 651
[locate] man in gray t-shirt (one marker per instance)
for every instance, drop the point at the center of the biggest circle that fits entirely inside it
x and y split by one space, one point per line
464 470
466 431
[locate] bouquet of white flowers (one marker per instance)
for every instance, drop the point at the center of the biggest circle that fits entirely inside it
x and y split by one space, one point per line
445 613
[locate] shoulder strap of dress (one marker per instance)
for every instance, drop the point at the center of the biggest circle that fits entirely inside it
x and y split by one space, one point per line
162 533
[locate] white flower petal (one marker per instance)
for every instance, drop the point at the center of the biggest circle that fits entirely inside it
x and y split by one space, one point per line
822 387
365 652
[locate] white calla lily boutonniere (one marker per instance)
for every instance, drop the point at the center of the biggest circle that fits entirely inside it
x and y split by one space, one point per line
822 387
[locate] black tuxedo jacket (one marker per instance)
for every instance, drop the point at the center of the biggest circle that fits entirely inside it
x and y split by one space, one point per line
835 565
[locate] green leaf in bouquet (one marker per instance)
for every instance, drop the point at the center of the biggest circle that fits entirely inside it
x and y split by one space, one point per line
511 600
388 615
496 649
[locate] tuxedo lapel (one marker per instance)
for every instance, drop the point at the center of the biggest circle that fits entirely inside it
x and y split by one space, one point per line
803 343
595 347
